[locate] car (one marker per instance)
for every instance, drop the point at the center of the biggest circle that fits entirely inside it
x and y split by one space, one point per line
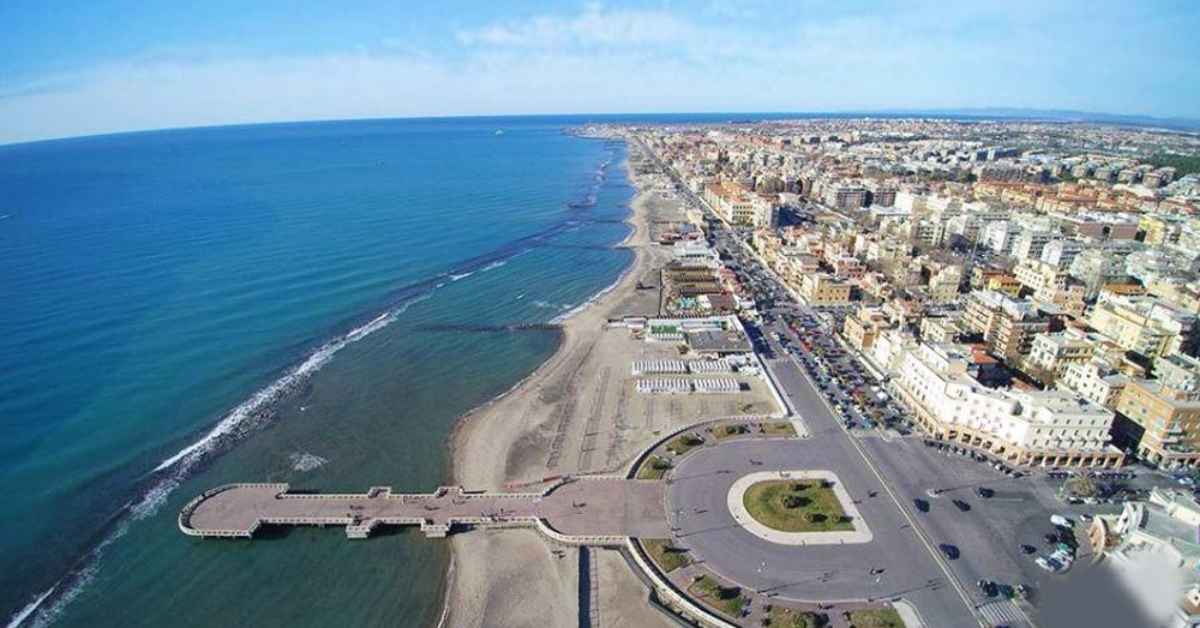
1028 549
984 492
949 550
961 505
921 505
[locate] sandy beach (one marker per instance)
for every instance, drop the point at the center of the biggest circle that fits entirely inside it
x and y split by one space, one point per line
577 414
567 417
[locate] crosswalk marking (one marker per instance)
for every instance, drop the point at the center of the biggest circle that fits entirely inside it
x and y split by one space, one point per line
1002 613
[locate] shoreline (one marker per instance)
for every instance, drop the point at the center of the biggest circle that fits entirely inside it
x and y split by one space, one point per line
475 459
566 327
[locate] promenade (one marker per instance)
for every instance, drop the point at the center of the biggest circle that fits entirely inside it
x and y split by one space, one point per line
593 511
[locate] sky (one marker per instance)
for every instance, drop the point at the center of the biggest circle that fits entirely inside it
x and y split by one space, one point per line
119 65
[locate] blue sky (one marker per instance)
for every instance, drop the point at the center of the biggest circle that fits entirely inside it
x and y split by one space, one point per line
115 65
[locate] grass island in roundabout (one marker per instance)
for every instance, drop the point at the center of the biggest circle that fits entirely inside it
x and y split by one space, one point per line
807 507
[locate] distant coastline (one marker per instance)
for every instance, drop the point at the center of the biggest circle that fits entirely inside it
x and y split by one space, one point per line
1064 116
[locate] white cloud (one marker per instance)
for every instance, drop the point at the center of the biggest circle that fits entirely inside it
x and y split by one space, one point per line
594 26
598 61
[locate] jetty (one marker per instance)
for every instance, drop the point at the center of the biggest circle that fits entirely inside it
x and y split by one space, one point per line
593 511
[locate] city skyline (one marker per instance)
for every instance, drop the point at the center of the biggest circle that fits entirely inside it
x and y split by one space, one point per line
105 68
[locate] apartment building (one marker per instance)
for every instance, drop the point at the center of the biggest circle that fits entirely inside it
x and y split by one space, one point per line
1030 244
939 327
1061 253
1144 325
1054 352
1095 380
1160 423
733 203
1007 325
1178 371
1043 428
824 289
1005 284
861 329
846 196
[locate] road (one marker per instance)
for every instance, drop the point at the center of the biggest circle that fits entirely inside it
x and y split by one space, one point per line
988 535
702 522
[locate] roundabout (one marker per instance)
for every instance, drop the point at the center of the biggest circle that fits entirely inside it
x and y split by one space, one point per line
799 507
877 559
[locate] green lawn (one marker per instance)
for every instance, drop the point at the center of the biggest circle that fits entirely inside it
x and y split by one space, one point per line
796 506
684 443
790 618
728 600
654 468
876 618
666 556
779 428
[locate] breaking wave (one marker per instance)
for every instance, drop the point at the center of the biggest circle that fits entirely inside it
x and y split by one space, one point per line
258 410
303 461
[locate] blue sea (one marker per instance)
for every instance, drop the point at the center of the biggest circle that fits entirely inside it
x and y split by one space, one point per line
313 303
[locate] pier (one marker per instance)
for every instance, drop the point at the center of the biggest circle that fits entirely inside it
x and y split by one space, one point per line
600 511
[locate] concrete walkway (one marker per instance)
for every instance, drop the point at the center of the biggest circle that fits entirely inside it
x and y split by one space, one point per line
860 534
598 510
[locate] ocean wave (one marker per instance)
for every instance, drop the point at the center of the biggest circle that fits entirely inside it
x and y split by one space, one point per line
29 609
255 411
303 461
171 472
562 318
252 408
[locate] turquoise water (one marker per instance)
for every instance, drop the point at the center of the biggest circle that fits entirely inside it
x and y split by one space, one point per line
308 303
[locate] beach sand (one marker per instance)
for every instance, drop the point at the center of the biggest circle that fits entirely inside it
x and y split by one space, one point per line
577 413
511 577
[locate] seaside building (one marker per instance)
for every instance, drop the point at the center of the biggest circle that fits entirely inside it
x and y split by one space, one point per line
1044 428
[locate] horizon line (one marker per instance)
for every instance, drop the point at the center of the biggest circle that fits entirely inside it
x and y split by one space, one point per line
1182 124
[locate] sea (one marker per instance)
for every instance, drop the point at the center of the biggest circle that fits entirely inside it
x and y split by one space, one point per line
311 303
